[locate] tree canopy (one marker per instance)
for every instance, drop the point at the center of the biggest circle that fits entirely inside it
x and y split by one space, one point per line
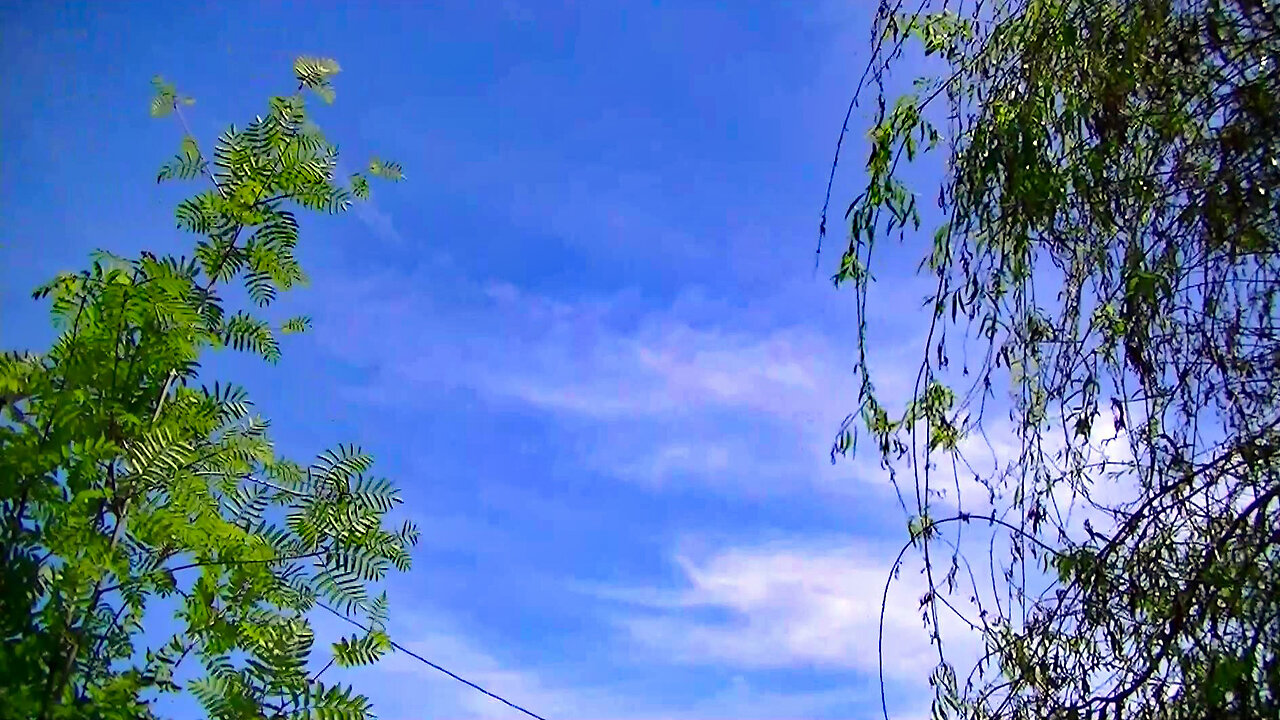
1103 257
131 484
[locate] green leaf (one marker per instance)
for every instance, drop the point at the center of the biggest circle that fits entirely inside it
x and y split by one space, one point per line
315 70
315 74
137 475
247 333
187 164
359 186
358 650
386 170
163 100
301 323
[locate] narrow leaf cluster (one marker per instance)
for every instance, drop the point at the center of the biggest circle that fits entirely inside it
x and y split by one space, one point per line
1105 265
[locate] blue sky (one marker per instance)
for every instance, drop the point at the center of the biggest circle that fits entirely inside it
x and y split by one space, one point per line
585 337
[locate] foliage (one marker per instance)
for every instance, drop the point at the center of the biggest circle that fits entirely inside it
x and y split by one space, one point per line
129 488
1104 263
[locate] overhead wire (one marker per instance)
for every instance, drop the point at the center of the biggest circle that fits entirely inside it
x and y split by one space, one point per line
436 667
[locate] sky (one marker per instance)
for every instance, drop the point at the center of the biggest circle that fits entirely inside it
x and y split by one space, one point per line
586 336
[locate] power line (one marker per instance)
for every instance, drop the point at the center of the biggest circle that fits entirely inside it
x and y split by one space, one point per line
434 666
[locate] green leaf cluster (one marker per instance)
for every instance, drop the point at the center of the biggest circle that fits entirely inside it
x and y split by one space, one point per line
127 477
1104 259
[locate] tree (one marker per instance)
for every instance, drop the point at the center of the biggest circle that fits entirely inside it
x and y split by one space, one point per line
124 481
1104 261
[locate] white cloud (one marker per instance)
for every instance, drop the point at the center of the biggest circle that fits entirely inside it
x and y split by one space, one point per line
703 459
403 687
379 222
572 358
742 699
693 391
792 605
578 357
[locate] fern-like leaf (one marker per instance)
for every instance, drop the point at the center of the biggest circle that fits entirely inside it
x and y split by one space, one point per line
242 331
188 163
261 289
334 702
314 74
359 186
294 325
376 494
334 468
386 170
163 100
166 98
358 650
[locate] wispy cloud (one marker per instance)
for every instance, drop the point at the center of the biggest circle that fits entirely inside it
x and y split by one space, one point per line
403 687
379 222
578 360
678 396
797 604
